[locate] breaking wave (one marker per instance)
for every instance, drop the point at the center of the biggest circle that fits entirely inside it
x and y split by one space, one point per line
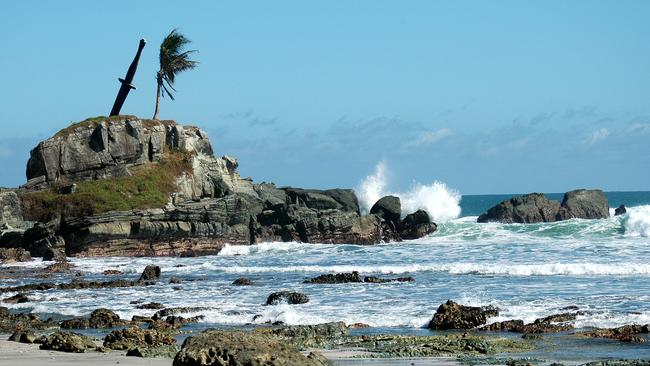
637 221
439 201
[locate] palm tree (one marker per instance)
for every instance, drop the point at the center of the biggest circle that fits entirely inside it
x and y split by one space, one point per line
173 60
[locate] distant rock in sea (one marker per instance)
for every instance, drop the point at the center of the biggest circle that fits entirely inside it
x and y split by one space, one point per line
536 207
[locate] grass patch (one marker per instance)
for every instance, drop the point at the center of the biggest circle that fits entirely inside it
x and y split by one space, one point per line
149 186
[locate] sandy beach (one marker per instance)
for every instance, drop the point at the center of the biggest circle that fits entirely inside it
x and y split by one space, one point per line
21 354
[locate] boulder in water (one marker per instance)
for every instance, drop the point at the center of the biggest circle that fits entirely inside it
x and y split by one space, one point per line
584 204
389 208
416 225
451 315
620 210
289 297
150 275
529 208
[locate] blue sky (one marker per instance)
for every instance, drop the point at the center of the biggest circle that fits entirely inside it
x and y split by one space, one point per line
487 96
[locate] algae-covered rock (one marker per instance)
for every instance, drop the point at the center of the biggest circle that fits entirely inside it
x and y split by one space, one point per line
238 348
23 336
68 342
126 338
304 336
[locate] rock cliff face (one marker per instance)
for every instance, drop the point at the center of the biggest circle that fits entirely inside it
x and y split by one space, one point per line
536 207
11 214
211 207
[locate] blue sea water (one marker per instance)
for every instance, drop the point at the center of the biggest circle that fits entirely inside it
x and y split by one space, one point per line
602 267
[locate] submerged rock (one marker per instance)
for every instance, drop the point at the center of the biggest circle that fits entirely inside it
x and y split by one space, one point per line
626 333
239 348
354 277
151 306
551 324
242 281
287 297
336 278
620 210
16 299
451 315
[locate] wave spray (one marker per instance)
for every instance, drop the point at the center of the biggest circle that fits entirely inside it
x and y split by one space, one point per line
438 200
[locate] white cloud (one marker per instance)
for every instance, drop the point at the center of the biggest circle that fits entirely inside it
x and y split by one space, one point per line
640 128
428 137
598 135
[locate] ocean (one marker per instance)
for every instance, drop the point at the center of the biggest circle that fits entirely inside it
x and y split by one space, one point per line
529 271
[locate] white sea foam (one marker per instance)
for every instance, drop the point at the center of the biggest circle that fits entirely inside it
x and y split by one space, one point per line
637 221
441 202
230 250
547 269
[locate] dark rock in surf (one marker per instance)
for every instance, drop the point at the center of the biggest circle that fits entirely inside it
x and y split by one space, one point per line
388 208
536 207
336 278
620 210
584 204
287 297
150 275
242 281
16 299
529 208
451 315
416 225
505 326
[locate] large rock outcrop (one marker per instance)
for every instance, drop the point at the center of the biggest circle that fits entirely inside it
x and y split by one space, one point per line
211 206
584 204
529 208
536 207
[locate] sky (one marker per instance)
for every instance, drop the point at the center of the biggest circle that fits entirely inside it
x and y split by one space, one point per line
486 96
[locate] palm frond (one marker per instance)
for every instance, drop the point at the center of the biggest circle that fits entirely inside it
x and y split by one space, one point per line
174 59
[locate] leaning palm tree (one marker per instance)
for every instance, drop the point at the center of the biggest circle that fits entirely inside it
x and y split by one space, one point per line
173 60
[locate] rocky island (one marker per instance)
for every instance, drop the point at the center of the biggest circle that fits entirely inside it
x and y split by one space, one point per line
127 186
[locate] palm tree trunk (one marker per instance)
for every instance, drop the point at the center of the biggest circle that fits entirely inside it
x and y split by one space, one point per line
156 113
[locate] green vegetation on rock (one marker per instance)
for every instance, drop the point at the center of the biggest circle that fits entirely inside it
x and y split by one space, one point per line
149 186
